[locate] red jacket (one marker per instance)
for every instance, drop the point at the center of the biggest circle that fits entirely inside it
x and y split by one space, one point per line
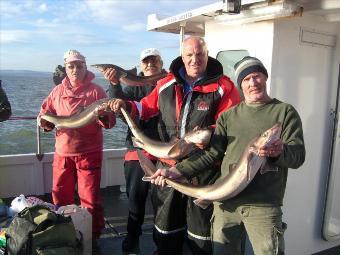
179 113
211 96
64 100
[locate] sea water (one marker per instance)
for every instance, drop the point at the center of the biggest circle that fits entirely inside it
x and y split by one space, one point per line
26 91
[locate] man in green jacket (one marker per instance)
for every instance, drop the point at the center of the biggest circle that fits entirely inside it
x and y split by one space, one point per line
257 209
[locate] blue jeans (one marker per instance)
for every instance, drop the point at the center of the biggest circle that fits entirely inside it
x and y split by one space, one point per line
263 224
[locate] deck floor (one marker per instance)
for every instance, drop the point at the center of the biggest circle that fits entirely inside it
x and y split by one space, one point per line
116 211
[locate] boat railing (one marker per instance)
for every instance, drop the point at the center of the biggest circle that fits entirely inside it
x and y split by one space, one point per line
39 152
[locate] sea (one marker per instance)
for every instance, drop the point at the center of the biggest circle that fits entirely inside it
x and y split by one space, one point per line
26 91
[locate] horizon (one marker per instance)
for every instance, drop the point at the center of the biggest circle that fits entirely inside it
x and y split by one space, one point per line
35 34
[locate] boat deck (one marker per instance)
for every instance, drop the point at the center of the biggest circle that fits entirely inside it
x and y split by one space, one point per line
116 211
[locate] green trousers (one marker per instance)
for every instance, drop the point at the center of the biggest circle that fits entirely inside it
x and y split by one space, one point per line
263 225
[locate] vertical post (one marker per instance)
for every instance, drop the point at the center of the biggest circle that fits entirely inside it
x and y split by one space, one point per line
39 155
181 36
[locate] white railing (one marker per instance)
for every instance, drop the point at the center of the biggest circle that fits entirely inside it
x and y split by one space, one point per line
25 174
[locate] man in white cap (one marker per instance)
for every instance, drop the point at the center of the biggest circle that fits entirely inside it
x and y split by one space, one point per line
137 190
78 152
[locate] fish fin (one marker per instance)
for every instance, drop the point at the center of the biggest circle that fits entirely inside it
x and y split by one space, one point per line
175 150
137 143
132 71
146 164
180 149
202 203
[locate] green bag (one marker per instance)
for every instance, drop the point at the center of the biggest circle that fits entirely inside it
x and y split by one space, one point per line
38 230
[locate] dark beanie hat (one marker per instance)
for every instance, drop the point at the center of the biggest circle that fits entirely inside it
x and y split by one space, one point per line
246 66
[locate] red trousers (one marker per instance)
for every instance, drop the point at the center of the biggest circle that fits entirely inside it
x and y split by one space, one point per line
85 172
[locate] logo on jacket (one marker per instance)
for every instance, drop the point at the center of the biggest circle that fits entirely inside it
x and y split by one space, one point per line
202 106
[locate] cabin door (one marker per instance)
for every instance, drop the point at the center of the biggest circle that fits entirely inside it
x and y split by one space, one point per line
331 224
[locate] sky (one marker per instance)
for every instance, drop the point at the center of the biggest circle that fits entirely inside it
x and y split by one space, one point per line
34 34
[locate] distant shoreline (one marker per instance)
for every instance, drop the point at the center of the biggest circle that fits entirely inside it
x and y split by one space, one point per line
35 73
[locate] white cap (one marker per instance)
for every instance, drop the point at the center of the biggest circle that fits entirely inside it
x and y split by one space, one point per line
73 55
149 52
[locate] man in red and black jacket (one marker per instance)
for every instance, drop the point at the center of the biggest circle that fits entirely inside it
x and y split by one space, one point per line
193 94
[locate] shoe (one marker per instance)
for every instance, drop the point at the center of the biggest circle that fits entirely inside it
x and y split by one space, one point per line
130 244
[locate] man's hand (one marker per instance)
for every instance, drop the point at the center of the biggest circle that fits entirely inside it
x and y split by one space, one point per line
112 75
274 150
158 178
115 104
44 124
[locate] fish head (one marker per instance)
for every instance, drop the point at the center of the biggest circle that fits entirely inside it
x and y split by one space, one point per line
269 136
103 67
199 136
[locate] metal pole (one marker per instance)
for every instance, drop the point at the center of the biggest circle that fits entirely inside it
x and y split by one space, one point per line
181 35
39 155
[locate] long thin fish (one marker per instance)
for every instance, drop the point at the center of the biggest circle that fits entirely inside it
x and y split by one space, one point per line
129 78
232 184
78 120
171 150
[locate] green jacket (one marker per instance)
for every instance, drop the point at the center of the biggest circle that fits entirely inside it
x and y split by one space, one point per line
234 130
5 106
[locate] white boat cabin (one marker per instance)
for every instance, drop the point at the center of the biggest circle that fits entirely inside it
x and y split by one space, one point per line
299 43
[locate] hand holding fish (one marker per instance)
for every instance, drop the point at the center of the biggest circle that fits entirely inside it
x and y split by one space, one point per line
44 124
158 178
273 150
111 75
115 104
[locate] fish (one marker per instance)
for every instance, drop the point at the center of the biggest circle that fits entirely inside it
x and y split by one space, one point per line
232 184
130 78
174 149
88 115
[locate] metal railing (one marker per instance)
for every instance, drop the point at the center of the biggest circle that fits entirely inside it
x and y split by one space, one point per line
39 154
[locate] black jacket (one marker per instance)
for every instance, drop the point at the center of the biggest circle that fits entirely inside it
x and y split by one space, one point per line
135 94
5 106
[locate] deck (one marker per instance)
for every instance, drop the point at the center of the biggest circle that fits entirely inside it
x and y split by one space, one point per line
116 211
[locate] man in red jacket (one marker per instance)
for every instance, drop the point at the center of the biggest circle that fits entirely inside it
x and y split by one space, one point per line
78 152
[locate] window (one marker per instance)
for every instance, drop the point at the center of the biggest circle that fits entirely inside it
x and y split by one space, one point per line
228 59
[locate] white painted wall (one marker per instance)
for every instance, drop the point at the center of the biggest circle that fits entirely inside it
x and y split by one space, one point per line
303 75
24 174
